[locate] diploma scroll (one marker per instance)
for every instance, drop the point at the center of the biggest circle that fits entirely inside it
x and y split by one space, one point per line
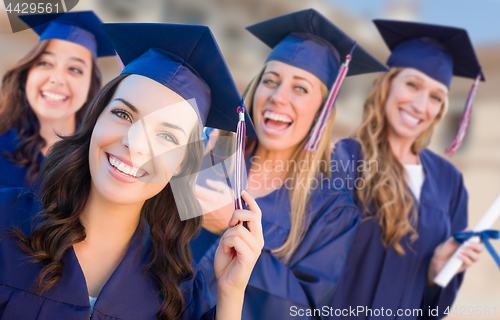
452 266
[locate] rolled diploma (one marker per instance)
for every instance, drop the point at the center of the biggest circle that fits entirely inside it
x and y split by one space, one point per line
451 267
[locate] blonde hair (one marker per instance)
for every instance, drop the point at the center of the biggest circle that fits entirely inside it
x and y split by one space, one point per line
300 193
385 189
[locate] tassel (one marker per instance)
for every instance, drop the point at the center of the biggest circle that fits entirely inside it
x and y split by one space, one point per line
326 112
464 121
239 163
239 160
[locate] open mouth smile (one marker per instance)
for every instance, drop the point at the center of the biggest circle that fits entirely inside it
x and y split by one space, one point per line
125 168
276 123
409 119
54 97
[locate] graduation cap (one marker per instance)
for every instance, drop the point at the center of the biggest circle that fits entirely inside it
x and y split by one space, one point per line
307 40
82 27
438 51
186 59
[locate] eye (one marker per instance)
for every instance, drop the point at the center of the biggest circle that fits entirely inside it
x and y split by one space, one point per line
412 85
169 137
122 114
76 70
43 63
269 82
437 99
301 89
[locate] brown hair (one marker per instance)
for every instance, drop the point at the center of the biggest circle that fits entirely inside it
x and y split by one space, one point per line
316 162
66 188
385 188
16 113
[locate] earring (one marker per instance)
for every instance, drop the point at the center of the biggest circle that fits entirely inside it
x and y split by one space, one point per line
175 171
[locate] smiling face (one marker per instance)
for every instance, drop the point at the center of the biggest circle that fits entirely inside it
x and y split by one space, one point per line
139 140
285 102
58 83
413 102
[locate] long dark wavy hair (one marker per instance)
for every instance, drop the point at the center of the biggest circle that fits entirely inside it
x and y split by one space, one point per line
64 193
16 113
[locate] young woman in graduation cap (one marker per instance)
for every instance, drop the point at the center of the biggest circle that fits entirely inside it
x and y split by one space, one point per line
110 240
413 201
48 91
308 221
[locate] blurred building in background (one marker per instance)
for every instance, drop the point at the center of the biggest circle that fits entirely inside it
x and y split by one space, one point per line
478 159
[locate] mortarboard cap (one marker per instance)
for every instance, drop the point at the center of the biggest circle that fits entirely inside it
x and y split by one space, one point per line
186 59
307 40
82 27
438 51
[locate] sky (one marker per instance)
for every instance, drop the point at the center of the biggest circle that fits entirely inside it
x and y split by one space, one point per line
481 18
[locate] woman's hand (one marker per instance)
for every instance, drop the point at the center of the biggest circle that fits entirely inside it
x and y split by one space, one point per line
217 205
233 274
469 254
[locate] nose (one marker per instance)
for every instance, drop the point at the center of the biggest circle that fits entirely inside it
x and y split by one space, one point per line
280 95
420 101
57 76
137 142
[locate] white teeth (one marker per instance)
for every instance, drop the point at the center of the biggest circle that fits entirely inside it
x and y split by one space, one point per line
125 168
53 96
409 118
277 117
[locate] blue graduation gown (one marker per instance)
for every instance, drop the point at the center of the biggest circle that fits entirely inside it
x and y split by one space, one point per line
11 174
128 294
375 277
309 279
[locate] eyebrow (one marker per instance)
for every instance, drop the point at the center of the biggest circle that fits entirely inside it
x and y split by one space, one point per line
173 126
165 124
444 92
128 104
80 60
415 76
295 77
71 58
275 73
422 79
301 78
